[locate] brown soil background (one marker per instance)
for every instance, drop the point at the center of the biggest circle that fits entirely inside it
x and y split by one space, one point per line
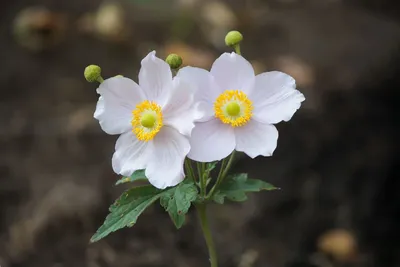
335 162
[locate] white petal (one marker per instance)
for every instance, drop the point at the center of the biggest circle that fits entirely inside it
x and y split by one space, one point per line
119 96
130 154
179 111
274 97
211 140
99 108
165 165
233 72
256 139
205 87
155 78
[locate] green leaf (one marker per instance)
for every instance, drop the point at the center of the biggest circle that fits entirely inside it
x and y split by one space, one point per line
126 210
177 201
235 188
219 197
137 175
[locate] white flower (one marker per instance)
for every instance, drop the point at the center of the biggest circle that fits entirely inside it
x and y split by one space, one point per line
154 119
240 108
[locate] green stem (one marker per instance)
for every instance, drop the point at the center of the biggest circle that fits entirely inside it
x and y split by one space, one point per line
198 167
202 212
237 49
204 177
228 165
100 79
222 173
223 164
189 169
201 179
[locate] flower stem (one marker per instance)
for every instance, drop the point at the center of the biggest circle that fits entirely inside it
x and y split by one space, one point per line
201 179
222 173
100 79
189 169
202 212
228 165
237 49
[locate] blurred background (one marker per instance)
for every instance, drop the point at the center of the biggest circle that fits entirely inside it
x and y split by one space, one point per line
335 162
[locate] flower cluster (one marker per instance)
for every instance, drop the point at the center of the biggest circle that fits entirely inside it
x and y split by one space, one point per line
174 119
199 114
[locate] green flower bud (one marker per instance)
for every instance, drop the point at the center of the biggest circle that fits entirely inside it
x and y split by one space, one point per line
174 61
233 38
93 74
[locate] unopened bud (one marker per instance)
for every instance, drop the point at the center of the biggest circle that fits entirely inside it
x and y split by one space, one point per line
233 38
93 74
174 61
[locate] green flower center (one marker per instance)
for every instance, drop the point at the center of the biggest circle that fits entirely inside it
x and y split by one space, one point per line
148 120
233 109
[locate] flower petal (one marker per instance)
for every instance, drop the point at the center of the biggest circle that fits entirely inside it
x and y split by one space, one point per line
118 97
211 140
155 77
165 165
130 154
233 72
205 87
256 139
99 108
179 111
274 97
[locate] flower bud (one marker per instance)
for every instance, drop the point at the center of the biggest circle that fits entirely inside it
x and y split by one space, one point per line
93 73
174 61
233 38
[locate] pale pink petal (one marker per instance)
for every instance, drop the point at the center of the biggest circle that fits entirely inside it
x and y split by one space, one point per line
155 78
233 72
206 89
165 165
274 97
205 86
130 154
256 139
211 140
118 98
180 112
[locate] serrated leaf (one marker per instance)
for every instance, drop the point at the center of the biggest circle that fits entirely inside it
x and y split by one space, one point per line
218 197
177 201
235 188
137 175
126 210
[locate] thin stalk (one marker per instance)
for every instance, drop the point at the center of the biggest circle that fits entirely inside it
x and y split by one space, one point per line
228 165
202 213
201 179
222 173
189 169
100 79
223 164
204 177
237 49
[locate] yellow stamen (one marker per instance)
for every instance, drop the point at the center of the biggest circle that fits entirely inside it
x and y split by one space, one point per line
233 107
147 120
